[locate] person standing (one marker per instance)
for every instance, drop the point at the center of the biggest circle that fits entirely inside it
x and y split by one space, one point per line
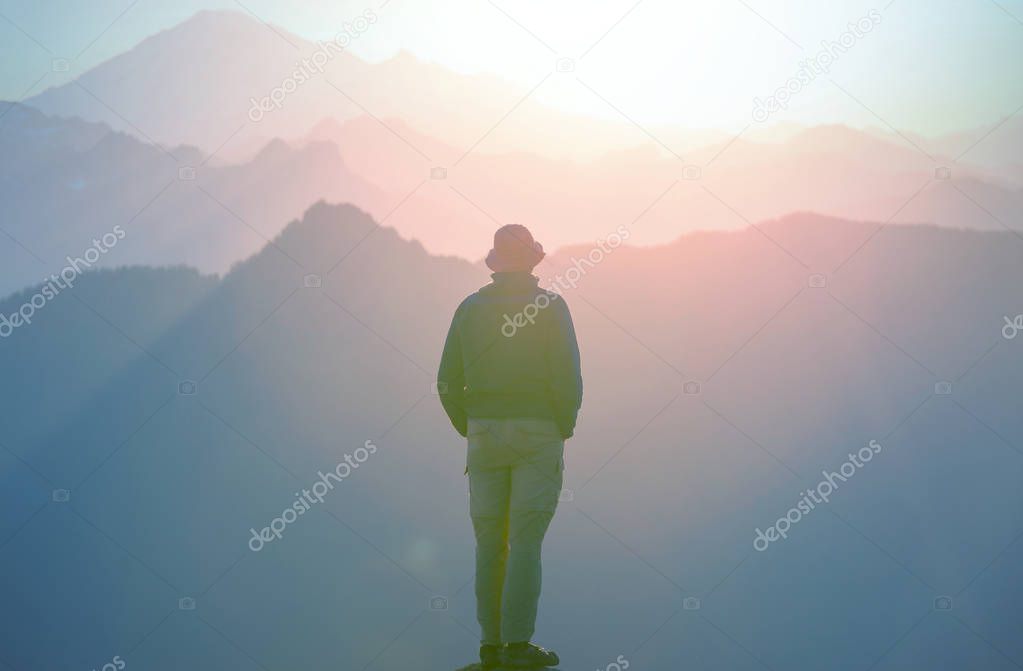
510 382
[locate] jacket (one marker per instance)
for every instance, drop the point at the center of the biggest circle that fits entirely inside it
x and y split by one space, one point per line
511 351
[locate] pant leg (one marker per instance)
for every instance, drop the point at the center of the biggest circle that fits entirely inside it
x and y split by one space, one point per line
489 498
535 487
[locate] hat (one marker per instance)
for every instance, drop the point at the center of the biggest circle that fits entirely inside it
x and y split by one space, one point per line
514 250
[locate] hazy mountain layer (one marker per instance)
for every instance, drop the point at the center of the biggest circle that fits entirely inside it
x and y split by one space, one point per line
807 339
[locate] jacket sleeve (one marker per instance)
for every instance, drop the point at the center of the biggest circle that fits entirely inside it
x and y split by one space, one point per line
451 377
563 363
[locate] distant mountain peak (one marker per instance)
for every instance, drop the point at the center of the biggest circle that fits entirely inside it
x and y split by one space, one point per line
218 19
273 149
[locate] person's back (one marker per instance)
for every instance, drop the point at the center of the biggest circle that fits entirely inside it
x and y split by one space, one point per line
512 353
510 381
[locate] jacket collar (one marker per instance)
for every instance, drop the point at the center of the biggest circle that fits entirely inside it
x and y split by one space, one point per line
512 283
515 279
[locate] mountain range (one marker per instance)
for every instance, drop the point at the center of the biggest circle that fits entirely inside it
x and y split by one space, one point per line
441 157
166 89
67 181
154 90
181 410
276 298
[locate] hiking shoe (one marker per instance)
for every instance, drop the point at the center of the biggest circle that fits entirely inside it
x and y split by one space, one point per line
490 657
527 656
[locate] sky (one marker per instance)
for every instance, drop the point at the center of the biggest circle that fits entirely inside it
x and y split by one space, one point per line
929 67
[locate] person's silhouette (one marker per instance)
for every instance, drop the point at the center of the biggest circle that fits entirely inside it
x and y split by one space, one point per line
510 382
